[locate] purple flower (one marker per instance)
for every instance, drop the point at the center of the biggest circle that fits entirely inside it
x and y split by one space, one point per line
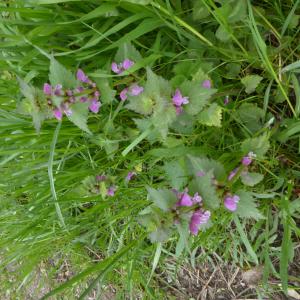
178 100
79 89
200 174
95 106
111 191
247 160
127 63
232 174
226 100
197 198
58 90
81 76
47 89
130 175
116 68
198 218
58 114
101 177
66 109
119 68
135 90
179 110
231 202
83 99
97 94
206 84
123 94
185 200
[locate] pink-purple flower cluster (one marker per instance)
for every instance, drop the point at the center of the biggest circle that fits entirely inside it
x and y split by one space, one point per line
121 67
86 92
231 201
179 101
133 90
199 215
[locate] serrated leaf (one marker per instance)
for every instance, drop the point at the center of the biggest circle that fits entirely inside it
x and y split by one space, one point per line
211 116
163 119
107 93
252 116
60 75
33 104
258 145
163 198
247 206
161 234
176 174
198 96
127 51
79 115
183 124
204 186
205 165
251 179
251 82
155 97
141 104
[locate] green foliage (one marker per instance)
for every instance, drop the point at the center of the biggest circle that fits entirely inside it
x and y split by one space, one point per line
174 44
211 116
198 96
251 116
251 82
259 145
79 116
33 104
247 208
251 178
60 75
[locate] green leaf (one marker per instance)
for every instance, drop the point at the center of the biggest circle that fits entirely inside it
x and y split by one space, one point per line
205 165
176 174
60 75
155 97
204 186
164 199
222 34
107 93
184 235
162 119
127 51
183 124
200 11
198 96
252 116
251 82
258 145
139 2
79 115
238 12
142 104
247 206
211 116
34 104
160 235
251 179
